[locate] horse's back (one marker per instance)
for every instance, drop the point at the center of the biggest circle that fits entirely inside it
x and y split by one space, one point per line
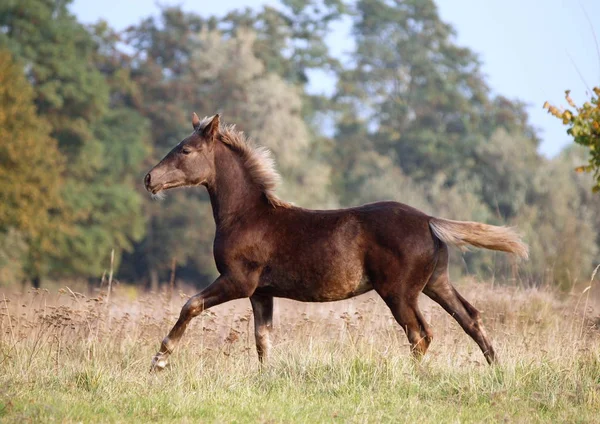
388 223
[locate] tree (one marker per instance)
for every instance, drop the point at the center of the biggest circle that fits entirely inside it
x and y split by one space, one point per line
424 97
290 39
107 204
55 48
30 171
506 164
561 223
421 92
64 64
584 127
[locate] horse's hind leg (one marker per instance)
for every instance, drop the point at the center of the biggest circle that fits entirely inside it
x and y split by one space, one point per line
440 290
221 291
407 314
262 307
401 295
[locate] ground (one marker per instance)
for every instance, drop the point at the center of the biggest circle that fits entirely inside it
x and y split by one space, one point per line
66 357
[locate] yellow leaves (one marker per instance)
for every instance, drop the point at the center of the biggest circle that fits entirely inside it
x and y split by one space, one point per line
584 127
553 110
569 99
32 163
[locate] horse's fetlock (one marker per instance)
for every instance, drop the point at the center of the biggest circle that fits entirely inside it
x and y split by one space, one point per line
166 346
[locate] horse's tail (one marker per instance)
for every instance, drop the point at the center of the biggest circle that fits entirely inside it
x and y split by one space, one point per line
461 233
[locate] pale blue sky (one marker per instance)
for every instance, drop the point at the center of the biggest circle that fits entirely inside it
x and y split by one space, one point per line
532 50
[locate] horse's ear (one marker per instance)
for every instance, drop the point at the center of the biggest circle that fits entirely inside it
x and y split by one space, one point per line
212 128
195 121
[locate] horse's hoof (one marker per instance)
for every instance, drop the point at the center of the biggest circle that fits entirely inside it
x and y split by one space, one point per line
158 364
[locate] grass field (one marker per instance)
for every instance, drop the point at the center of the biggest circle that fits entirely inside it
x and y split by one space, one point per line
66 357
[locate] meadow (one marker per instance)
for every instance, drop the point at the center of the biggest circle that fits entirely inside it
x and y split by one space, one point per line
72 357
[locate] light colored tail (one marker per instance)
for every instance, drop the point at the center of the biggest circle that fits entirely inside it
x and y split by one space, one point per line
461 233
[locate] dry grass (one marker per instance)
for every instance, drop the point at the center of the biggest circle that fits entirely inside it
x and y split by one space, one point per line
70 358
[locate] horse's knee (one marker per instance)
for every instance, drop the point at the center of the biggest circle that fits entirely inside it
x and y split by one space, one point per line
193 307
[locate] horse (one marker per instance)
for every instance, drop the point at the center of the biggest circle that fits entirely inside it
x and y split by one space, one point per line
265 247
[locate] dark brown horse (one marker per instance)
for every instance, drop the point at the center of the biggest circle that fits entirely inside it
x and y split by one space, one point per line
265 247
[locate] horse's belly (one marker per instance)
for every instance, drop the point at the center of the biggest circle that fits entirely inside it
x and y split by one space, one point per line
321 287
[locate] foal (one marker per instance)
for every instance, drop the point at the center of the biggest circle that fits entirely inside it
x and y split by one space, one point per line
264 247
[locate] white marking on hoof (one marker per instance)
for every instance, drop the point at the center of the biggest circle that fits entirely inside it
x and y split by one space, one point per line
159 363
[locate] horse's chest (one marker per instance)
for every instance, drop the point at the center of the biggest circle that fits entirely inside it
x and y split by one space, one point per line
243 255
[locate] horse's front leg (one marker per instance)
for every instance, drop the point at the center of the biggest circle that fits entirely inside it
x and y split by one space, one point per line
262 307
222 290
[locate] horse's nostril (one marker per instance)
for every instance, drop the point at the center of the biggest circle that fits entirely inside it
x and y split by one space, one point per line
147 180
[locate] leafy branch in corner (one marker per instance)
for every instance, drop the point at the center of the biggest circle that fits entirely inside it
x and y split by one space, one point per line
584 127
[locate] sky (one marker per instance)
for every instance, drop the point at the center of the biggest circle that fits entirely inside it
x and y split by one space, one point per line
531 50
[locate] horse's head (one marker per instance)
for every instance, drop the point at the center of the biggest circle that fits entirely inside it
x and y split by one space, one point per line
191 162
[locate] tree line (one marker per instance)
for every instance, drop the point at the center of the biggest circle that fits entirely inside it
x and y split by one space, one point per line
85 110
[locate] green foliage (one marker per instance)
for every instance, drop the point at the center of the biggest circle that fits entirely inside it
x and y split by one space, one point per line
505 164
411 119
584 127
108 210
69 89
103 148
561 223
422 93
290 38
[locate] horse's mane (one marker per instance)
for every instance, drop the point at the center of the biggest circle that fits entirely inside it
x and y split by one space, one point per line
257 160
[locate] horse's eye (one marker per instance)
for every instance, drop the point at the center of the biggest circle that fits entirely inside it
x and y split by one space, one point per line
186 151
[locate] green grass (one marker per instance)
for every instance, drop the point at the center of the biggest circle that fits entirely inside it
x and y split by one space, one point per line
341 363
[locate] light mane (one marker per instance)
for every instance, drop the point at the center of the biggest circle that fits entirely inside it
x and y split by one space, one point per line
257 160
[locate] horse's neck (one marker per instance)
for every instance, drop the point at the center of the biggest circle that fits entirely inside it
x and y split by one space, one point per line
232 192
